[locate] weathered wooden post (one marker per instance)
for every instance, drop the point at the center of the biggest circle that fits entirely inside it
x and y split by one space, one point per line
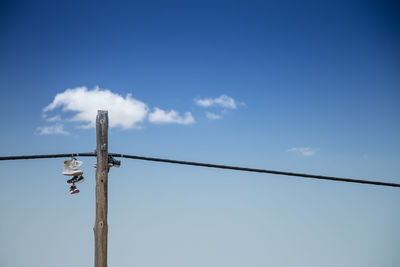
100 226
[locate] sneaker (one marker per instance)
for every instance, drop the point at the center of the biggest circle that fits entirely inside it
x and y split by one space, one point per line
72 172
71 167
75 180
112 162
72 163
73 190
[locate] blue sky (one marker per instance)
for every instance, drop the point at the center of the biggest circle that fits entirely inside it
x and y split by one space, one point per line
309 86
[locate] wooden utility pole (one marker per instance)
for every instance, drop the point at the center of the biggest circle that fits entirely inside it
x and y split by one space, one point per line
100 226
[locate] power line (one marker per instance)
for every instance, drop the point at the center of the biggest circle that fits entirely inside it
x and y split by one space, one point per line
48 156
208 165
303 175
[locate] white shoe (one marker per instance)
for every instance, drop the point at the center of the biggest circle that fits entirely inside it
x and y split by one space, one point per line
71 167
72 163
72 172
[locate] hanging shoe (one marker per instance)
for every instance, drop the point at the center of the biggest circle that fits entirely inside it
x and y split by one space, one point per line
71 167
73 163
112 162
72 172
73 190
75 180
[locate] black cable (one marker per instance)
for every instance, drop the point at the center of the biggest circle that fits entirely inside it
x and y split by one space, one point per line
48 156
303 175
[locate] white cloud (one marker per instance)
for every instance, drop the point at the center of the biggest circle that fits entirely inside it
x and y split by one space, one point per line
125 112
54 118
213 116
161 116
221 101
305 151
52 129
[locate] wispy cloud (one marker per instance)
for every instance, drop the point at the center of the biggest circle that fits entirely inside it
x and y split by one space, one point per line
305 151
212 116
221 101
54 118
52 129
161 116
125 112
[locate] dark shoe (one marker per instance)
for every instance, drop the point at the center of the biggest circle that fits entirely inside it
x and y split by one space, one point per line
112 162
73 190
76 180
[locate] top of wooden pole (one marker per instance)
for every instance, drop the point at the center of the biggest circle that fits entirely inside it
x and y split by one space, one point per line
101 114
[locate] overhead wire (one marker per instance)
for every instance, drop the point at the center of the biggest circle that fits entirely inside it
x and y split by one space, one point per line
48 156
208 165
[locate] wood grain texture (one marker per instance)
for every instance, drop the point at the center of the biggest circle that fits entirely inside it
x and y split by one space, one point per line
100 226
